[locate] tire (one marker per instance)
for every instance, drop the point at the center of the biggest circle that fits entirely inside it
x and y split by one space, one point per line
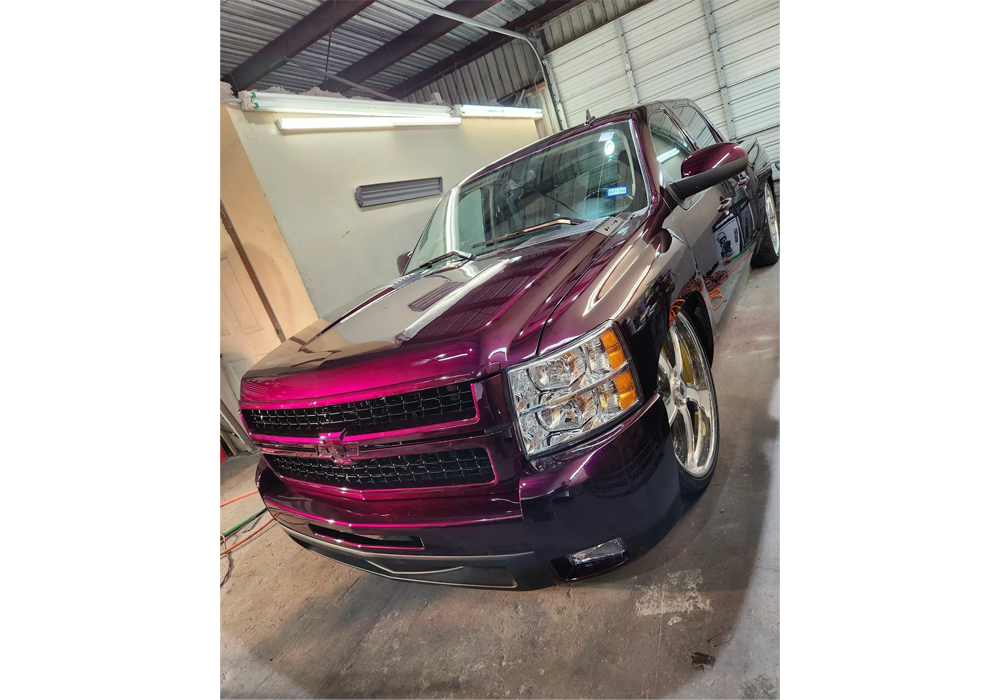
688 393
770 245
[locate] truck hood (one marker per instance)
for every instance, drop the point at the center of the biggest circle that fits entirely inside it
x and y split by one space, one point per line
460 322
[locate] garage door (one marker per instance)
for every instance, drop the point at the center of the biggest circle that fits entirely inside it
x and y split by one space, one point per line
748 43
590 74
664 50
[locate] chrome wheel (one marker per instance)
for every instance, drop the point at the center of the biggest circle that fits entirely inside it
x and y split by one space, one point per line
772 217
685 386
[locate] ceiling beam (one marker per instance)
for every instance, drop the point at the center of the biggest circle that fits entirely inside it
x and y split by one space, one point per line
413 39
300 36
492 41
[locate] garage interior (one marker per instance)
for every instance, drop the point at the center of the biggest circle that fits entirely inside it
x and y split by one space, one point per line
311 219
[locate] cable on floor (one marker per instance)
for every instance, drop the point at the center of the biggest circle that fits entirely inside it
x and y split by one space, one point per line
234 528
233 500
228 553
250 537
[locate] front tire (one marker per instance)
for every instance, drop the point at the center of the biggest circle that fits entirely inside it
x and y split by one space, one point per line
684 381
770 246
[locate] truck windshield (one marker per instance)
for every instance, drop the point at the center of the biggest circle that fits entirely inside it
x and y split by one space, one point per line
590 176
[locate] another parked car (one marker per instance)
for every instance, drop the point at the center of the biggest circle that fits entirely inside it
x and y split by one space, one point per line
526 403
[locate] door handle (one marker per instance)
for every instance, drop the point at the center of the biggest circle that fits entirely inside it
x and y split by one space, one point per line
744 179
725 203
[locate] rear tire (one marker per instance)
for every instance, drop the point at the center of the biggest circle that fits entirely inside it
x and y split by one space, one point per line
770 246
684 381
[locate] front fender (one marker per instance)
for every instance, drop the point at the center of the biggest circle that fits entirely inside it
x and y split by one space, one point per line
641 286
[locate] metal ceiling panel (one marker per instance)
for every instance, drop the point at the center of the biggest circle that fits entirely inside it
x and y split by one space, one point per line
249 25
586 18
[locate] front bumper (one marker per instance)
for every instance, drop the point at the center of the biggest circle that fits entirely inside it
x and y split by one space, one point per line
623 484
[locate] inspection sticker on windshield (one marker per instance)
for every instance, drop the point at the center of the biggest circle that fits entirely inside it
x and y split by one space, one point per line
617 191
606 136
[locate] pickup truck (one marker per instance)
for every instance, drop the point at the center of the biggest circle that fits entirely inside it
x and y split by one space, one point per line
526 403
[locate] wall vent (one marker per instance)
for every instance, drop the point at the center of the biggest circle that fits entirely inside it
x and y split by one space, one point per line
389 192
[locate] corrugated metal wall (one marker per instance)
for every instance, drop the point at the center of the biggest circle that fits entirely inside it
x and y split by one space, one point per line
667 45
671 54
748 32
589 73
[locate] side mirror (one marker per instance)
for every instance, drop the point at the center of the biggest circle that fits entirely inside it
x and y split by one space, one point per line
403 260
710 166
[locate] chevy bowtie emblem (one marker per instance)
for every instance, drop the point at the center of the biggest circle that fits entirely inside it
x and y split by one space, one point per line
333 449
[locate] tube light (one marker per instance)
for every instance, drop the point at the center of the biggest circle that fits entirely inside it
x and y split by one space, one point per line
350 107
668 155
343 123
497 111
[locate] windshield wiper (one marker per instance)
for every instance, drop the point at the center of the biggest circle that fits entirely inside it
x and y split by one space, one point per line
443 256
530 229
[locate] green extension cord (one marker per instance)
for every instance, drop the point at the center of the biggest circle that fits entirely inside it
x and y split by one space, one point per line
234 528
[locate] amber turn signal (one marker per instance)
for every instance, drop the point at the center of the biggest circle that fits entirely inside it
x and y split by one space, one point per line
616 356
626 389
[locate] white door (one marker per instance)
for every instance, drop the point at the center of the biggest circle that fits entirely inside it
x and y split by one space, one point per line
247 333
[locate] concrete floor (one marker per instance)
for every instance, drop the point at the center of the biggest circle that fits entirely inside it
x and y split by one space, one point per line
298 625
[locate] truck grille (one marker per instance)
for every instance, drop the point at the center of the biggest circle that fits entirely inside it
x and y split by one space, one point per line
453 402
449 468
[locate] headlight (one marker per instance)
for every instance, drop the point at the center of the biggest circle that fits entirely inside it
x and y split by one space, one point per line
572 392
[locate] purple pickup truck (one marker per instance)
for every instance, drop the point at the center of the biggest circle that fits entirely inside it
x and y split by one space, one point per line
527 402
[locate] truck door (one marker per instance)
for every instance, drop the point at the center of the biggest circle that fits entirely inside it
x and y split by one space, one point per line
721 218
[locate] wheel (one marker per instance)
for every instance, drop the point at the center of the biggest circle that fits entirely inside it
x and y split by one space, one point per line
769 248
686 388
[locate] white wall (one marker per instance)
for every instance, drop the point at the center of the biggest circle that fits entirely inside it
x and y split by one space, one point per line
309 180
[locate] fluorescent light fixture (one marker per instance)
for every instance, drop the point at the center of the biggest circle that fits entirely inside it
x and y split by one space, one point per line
669 154
346 123
489 111
348 107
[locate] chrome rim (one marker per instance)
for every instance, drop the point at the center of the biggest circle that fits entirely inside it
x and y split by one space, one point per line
686 390
772 217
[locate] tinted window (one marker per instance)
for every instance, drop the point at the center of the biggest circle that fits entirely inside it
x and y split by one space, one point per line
695 125
670 144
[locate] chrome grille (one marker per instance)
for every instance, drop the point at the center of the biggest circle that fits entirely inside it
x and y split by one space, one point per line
427 406
448 468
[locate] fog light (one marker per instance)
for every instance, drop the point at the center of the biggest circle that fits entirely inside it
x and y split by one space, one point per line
610 549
